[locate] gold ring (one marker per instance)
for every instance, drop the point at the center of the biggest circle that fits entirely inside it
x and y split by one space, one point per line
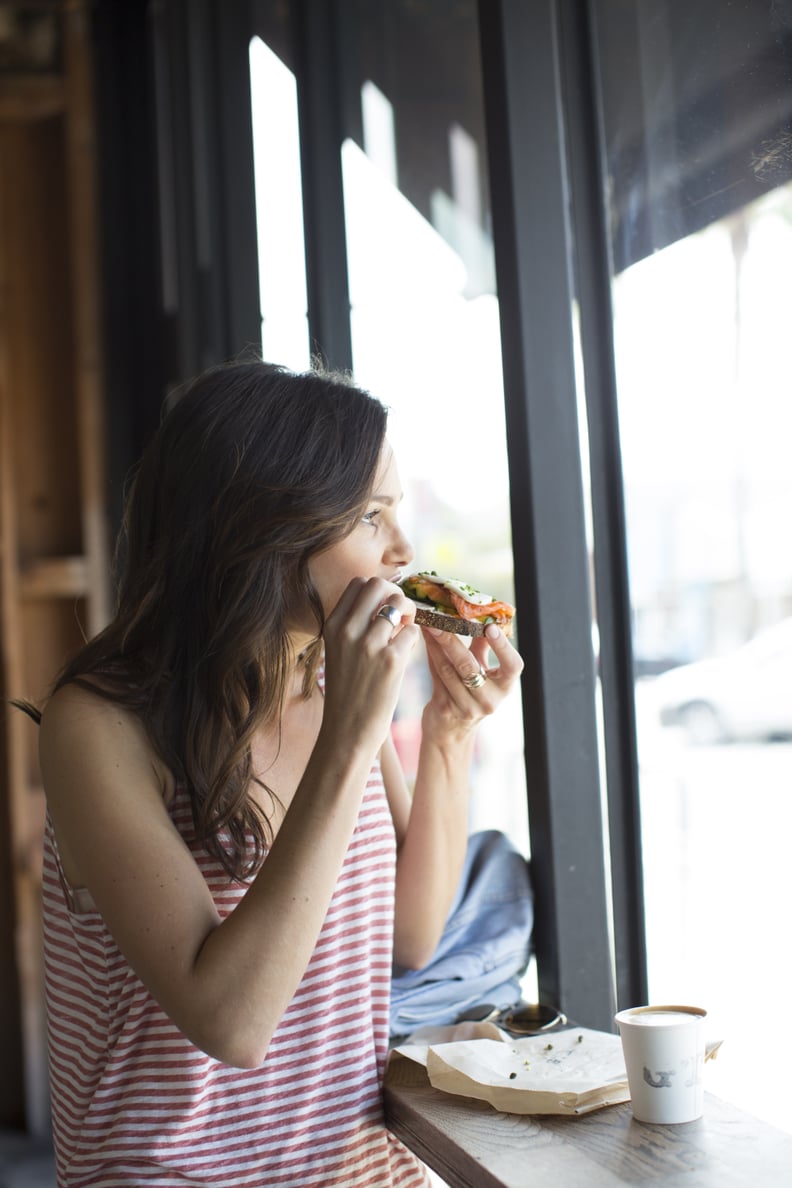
475 681
389 612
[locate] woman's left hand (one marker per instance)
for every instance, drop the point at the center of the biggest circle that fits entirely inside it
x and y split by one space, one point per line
465 688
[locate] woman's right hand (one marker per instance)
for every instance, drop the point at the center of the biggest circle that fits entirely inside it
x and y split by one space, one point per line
365 660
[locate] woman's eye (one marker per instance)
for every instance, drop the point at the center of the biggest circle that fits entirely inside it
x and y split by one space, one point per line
371 516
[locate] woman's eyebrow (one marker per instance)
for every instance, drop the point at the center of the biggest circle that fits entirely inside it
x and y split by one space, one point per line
388 499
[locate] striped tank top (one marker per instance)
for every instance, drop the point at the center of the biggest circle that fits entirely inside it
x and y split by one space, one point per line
135 1103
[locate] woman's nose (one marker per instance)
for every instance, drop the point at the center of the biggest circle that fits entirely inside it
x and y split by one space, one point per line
400 552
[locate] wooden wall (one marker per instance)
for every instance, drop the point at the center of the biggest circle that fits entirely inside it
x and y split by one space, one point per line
53 553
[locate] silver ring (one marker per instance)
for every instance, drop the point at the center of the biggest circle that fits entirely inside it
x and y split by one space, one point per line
388 611
475 681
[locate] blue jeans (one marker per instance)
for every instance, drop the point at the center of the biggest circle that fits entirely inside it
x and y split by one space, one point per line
485 946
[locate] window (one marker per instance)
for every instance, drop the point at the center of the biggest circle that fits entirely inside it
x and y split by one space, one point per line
456 128
279 210
697 106
426 339
423 310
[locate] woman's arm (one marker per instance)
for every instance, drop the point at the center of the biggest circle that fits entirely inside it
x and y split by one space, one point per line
225 984
432 830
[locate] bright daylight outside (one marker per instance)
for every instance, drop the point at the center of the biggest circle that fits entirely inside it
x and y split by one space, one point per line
703 373
705 417
455 482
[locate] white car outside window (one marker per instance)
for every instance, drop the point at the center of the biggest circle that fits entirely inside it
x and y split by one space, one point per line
746 694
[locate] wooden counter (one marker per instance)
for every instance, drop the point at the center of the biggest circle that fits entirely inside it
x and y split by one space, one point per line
469 1144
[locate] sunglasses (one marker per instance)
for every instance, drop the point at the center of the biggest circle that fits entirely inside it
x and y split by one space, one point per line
531 1018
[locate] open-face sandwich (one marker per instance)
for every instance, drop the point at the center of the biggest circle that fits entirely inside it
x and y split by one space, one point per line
456 606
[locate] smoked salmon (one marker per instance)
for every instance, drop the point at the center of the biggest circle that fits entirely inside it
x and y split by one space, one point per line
458 600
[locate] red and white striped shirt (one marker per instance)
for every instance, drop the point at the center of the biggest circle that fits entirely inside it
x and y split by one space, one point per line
135 1103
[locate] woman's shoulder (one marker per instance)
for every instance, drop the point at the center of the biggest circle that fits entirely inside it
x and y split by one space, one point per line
86 704
82 725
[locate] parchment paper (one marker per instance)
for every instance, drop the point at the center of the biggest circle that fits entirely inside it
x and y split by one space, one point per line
562 1072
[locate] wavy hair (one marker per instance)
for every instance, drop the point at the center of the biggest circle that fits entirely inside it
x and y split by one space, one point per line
253 471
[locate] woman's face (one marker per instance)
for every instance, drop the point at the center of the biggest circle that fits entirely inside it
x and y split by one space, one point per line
376 546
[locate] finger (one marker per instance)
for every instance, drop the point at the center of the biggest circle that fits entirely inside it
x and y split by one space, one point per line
362 599
466 654
480 648
375 592
404 639
475 680
509 661
393 615
455 665
388 613
349 599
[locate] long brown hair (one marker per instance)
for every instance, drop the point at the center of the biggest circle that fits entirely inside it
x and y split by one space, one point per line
253 471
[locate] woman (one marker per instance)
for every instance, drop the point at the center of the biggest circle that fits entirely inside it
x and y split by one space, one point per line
231 858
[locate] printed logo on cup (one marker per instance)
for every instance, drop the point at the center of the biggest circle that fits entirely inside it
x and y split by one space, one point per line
660 1080
664 1080
664 1051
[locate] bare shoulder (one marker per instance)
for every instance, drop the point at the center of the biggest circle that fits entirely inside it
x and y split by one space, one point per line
77 706
105 785
100 772
84 733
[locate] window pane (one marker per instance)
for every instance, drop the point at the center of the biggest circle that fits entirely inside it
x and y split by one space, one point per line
425 329
279 211
697 107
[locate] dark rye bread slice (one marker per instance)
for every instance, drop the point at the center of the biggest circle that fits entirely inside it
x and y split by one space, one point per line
425 616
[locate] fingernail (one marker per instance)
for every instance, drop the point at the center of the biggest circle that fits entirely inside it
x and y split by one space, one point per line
492 631
435 631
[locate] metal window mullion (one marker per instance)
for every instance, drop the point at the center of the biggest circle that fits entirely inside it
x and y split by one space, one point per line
321 132
175 172
593 273
203 126
529 185
237 217
210 278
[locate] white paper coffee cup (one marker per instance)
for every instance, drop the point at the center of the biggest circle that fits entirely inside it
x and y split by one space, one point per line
664 1056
